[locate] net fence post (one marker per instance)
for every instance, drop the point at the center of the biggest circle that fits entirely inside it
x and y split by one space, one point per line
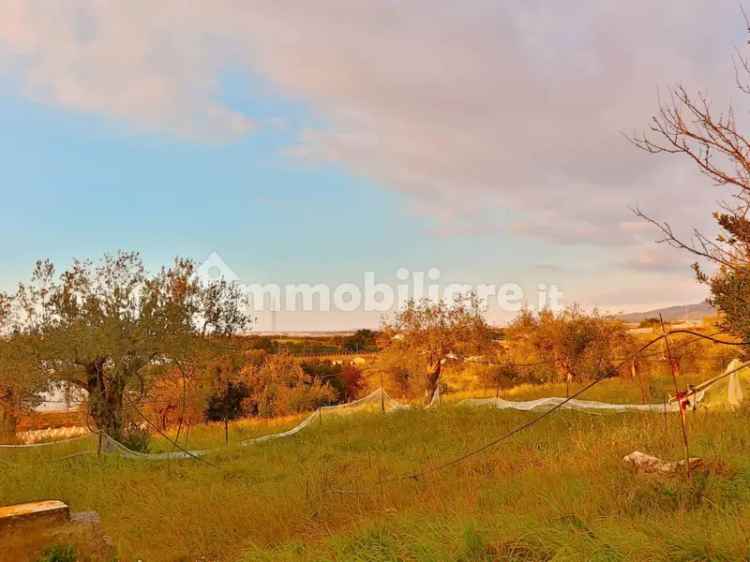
673 368
382 394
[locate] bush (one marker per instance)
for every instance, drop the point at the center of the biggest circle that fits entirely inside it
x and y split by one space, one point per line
362 340
353 380
281 387
136 438
227 404
501 376
346 379
59 553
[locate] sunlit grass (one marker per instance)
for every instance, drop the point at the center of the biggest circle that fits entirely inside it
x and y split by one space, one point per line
615 390
211 435
558 490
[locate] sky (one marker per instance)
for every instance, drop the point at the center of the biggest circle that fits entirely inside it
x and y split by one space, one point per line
311 143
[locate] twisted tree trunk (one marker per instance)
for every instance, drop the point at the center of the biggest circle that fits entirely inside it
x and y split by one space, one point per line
8 423
433 380
106 396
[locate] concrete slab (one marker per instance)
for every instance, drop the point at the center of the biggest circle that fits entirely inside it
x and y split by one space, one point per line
51 511
27 530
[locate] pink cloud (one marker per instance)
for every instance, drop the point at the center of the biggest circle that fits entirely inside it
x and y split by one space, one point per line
468 110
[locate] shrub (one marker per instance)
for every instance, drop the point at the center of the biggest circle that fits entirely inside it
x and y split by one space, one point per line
362 340
346 379
227 404
353 380
504 375
59 553
280 387
136 438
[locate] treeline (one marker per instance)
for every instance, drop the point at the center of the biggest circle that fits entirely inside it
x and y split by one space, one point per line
432 343
170 348
362 341
428 339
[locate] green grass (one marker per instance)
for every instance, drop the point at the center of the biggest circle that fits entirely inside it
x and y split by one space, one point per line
558 491
59 553
658 383
211 435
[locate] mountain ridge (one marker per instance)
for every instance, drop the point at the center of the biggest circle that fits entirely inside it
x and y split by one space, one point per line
678 313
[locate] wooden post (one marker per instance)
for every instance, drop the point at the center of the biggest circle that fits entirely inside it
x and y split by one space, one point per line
677 395
636 373
382 393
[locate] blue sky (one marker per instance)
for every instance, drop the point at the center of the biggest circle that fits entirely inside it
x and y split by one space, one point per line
89 187
80 186
316 147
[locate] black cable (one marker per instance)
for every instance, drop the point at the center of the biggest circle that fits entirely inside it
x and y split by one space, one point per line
420 474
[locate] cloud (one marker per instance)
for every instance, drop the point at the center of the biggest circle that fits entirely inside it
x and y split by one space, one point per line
658 259
125 62
547 268
474 112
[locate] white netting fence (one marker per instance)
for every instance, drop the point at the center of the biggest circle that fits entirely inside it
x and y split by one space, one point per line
542 404
374 402
725 391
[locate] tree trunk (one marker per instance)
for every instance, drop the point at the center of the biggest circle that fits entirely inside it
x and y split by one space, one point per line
433 380
106 408
8 422
636 374
106 398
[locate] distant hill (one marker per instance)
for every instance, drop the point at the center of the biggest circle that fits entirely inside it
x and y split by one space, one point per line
681 313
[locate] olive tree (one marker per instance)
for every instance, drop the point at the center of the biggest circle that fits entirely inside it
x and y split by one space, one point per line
108 326
573 344
428 333
21 379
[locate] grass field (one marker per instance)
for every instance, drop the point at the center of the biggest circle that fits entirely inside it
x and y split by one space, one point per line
558 491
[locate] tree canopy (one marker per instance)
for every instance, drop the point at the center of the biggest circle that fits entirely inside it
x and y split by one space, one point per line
427 334
570 344
107 326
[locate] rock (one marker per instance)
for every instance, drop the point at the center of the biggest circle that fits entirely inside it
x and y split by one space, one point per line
642 462
85 517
